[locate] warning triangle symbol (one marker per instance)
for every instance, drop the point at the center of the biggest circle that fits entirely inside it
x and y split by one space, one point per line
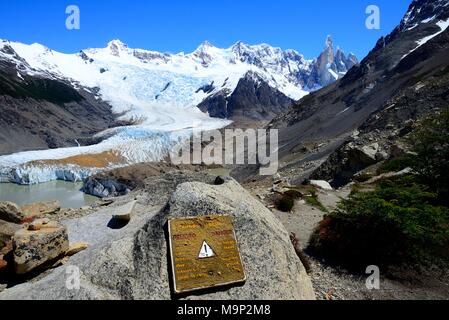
206 251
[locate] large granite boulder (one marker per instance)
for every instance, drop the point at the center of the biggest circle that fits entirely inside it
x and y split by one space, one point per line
132 262
272 268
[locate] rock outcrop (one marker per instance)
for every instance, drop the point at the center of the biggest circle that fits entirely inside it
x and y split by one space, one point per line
330 65
253 98
104 188
401 81
10 212
124 212
39 113
76 248
41 208
321 184
43 242
132 262
7 230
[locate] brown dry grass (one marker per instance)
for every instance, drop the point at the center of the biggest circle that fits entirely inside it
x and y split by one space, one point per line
99 160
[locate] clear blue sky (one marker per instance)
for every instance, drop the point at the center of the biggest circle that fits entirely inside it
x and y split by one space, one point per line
181 25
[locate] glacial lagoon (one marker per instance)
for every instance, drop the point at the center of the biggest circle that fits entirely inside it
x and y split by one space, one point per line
69 194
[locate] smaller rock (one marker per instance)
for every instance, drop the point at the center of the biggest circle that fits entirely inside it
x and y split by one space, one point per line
321 184
42 224
105 202
7 230
10 212
76 248
371 150
41 208
124 213
381 155
32 249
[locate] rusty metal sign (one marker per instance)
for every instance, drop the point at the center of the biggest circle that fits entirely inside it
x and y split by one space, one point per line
204 253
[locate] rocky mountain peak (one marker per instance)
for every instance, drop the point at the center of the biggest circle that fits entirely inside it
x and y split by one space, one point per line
116 46
239 47
329 42
424 20
205 53
206 44
328 52
331 64
204 47
424 11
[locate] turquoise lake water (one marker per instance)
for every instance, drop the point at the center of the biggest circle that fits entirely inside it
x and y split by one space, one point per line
67 193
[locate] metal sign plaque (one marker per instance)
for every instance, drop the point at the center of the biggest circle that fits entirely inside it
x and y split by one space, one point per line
204 253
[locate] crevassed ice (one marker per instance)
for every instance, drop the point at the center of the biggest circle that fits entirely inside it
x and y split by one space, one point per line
161 96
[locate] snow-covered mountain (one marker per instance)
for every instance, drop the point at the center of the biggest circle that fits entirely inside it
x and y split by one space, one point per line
161 92
129 78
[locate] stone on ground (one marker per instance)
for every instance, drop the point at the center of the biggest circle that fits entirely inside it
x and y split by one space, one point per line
33 248
76 248
132 262
41 208
124 212
10 212
7 230
321 184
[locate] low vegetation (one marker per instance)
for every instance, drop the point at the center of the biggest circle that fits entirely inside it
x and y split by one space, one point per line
285 201
312 200
403 219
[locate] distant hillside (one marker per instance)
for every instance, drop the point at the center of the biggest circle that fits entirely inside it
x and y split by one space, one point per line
359 120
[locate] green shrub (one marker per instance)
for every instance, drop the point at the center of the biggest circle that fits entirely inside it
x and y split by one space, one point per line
404 219
432 159
397 164
293 194
363 177
398 222
285 203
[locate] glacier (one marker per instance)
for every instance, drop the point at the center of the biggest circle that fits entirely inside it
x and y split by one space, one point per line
159 92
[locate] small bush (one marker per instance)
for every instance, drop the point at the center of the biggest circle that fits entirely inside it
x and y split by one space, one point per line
397 164
432 149
400 221
363 177
284 203
404 219
293 194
